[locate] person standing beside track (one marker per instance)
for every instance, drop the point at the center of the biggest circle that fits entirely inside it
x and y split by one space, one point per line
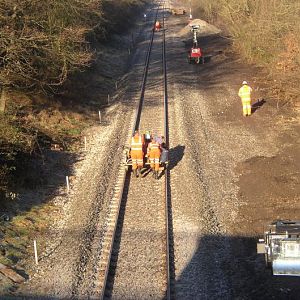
136 153
245 95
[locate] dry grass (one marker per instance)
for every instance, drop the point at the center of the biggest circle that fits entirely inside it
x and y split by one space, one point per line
42 43
20 232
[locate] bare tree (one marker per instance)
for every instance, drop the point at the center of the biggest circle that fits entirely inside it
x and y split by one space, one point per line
42 42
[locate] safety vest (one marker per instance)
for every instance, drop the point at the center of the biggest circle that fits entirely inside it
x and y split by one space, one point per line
136 143
245 93
153 146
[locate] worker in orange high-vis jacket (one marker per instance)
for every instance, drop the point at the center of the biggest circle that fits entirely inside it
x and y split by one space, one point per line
153 153
245 95
136 153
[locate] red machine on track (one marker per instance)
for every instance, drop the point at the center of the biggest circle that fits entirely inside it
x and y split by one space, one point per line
195 54
157 26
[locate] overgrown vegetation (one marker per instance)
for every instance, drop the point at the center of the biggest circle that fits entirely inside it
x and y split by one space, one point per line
44 44
266 33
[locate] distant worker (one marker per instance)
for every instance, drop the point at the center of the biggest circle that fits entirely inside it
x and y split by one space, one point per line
147 140
153 153
245 95
136 153
157 26
148 136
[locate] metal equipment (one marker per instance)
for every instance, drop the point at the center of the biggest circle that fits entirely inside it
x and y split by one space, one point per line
281 246
195 54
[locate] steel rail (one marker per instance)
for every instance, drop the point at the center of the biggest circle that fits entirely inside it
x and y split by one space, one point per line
167 172
145 74
135 127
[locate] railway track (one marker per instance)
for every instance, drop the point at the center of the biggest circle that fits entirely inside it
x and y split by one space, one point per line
135 258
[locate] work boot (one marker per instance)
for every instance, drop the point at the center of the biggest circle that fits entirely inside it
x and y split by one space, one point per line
156 174
135 173
153 173
138 173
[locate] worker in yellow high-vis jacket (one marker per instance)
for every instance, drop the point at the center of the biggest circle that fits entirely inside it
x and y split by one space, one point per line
245 95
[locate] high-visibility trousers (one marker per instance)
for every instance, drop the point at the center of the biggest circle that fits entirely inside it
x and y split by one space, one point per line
137 158
154 159
246 107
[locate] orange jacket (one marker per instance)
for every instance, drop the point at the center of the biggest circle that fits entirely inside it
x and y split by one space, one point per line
153 149
137 143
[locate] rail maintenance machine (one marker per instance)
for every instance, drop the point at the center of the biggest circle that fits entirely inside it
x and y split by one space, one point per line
281 247
195 54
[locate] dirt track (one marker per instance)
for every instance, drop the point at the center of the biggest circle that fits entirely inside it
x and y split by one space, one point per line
230 176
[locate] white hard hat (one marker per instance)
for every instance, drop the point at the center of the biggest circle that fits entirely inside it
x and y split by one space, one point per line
245 82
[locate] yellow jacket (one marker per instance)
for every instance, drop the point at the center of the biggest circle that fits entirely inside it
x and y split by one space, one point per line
245 93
